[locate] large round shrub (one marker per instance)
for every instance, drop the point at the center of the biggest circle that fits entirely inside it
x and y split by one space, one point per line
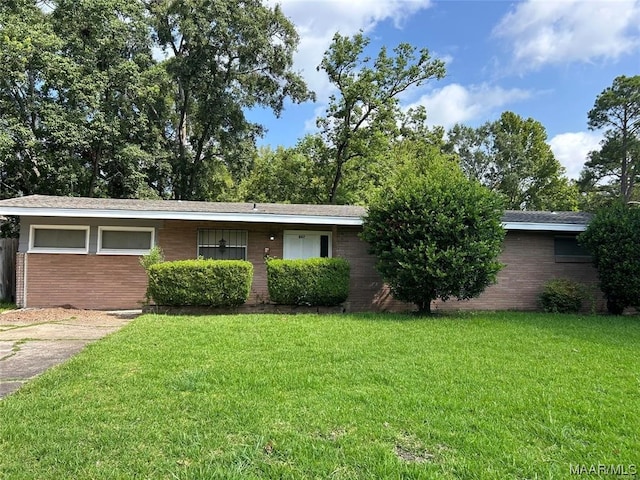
213 283
312 281
435 235
613 239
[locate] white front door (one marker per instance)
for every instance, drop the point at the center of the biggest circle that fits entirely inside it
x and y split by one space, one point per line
306 244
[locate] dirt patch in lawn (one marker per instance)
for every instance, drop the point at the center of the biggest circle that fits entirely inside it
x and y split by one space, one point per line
41 315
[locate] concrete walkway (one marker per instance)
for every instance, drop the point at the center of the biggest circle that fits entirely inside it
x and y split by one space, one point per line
27 350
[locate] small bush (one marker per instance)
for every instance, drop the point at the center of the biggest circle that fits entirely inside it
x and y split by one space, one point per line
314 281
155 255
214 283
562 296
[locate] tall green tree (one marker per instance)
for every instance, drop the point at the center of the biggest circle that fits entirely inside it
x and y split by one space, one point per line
512 157
617 110
225 57
74 98
85 109
601 178
28 60
107 46
364 112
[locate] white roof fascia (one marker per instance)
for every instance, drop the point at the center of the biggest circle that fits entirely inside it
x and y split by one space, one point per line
544 227
171 215
245 217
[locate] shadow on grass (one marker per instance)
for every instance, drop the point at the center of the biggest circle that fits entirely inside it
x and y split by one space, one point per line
620 331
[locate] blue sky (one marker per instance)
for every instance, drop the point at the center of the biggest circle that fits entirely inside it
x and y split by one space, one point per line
542 59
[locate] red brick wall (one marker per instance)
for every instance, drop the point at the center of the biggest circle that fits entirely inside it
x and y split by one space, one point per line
100 282
112 282
179 241
367 291
529 263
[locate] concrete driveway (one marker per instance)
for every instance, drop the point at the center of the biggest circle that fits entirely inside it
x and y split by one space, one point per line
33 340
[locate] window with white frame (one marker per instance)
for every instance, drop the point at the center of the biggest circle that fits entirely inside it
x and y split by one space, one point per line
219 244
59 239
301 244
125 240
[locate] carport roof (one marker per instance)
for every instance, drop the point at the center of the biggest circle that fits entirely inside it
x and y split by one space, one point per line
82 207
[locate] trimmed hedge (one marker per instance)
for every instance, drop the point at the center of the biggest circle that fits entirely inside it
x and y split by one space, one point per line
313 282
215 283
562 296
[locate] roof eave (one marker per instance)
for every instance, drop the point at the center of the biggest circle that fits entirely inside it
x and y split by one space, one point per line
253 217
172 215
545 227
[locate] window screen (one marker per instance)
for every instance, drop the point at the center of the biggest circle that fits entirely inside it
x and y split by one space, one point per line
222 244
59 238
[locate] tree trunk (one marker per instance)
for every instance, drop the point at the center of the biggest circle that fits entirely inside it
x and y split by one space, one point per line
183 142
424 308
340 160
197 159
95 171
624 174
334 186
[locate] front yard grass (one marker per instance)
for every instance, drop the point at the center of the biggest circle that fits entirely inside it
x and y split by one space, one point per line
507 395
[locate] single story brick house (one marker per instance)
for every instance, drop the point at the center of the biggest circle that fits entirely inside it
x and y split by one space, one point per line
85 252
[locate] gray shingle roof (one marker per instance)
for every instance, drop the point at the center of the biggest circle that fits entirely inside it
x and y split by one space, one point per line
81 204
574 218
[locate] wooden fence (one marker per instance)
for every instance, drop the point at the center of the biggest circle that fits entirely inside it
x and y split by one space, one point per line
8 249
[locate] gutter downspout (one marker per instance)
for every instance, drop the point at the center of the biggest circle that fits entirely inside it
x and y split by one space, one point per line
24 280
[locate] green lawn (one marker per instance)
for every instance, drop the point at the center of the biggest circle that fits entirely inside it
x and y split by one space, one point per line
356 396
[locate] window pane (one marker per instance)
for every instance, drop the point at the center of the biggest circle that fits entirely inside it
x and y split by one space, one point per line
227 253
220 244
568 246
59 238
324 246
126 240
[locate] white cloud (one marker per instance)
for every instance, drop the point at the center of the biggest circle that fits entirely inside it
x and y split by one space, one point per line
571 149
352 15
310 125
458 104
318 20
551 32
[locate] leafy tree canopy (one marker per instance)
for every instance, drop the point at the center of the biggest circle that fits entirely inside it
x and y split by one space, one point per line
85 109
365 112
511 156
284 175
613 171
